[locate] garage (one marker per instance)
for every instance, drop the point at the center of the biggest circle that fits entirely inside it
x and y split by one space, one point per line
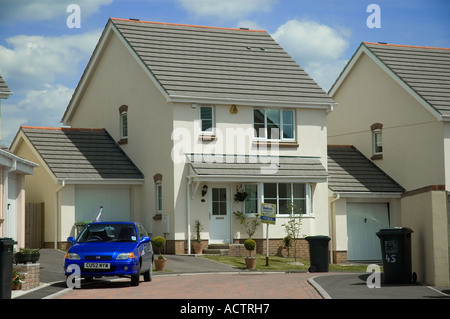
114 200
364 220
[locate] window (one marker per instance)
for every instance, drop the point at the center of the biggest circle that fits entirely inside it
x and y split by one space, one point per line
207 119
219 201
159 196
251 202
274 124
123 114
289 197
377 141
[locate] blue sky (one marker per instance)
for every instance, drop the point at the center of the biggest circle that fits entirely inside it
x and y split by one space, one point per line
42 59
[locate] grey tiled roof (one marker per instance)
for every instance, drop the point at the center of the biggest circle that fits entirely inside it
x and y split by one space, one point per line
84 154
426 70
252 166
4 90
219 63
351 171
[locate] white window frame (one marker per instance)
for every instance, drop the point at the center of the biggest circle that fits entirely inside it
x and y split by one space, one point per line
159 201
213 122
308 198
281 138
123 132
375 143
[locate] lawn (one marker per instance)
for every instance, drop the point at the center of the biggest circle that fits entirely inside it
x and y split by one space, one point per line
277 263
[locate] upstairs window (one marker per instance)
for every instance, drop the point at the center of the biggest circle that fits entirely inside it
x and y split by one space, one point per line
377 141
123 124
274 124
207 119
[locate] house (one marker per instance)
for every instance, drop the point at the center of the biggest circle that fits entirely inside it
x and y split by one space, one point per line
395 103
363 199
207 113
80 172
13 170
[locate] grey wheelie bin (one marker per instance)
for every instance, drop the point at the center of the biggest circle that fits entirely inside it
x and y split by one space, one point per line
396 253
318 253
6 267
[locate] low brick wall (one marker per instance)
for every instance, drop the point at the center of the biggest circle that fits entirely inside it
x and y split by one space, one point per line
30 274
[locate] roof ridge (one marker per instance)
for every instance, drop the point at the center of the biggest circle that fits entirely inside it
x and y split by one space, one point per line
406 46
188 25
63 128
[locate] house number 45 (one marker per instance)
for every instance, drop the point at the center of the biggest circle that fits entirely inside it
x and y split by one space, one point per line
391 258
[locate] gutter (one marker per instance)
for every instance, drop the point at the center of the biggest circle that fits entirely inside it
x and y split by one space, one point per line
57 191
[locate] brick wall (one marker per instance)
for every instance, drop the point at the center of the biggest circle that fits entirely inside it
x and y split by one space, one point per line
30 274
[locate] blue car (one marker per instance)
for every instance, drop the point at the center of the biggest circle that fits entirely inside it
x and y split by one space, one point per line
111 249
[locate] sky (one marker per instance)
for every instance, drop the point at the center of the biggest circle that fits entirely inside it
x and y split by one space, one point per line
45 45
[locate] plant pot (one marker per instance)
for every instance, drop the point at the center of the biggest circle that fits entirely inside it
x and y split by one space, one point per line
20 258
198 247
250 262
160 264
34 258
16 286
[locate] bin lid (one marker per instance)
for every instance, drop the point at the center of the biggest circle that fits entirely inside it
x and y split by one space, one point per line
318 237
7 241
394 231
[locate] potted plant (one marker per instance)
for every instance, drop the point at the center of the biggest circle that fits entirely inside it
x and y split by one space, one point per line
16 280
250 261
240 195
26 255
160 262
198 245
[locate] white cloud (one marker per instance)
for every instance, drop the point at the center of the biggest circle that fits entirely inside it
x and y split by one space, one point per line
318 48
37 60
229 9
31 10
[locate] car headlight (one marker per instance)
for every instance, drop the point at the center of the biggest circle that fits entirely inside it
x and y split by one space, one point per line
73 256
123 256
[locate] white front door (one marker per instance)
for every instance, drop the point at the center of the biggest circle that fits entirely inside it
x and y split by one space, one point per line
219 215
11 208
364 220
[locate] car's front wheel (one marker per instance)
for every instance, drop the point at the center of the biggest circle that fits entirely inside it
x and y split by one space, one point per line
136 277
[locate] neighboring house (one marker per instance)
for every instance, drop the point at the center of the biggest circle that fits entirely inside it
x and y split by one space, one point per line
394 106
80 171
205 113
12 187
363 200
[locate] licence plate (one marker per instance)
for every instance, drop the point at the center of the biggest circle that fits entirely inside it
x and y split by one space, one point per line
96 265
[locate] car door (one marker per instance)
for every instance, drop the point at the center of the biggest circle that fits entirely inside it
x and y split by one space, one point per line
145 249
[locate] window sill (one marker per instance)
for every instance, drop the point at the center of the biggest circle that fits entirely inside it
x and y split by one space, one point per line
377 157
206 137
123 141
276 143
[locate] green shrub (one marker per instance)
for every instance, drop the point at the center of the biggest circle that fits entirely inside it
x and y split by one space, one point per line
250 245
159 242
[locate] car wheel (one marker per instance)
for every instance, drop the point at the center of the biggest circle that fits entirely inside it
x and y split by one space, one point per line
136 277
148 274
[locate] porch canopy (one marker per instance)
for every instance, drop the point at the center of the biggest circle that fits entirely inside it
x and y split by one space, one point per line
248 168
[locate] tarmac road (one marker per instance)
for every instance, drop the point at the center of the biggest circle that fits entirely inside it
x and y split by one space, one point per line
197 278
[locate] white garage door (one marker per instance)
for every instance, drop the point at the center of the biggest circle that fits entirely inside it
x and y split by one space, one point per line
364 220
115 202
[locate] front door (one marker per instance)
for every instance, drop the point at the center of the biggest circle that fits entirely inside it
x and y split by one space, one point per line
219 215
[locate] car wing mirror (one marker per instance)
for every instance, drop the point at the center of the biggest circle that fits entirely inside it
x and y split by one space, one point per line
71 240
145 239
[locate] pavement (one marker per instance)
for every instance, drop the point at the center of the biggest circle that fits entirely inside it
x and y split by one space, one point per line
215 280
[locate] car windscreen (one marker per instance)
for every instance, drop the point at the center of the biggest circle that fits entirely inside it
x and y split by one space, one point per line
108 233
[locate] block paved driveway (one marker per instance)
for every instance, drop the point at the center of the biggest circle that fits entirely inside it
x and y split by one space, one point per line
202 286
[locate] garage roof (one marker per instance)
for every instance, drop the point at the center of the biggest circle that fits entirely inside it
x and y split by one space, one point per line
82 154
351 172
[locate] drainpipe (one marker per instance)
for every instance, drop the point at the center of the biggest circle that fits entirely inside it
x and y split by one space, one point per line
332 208
188 205
63 183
